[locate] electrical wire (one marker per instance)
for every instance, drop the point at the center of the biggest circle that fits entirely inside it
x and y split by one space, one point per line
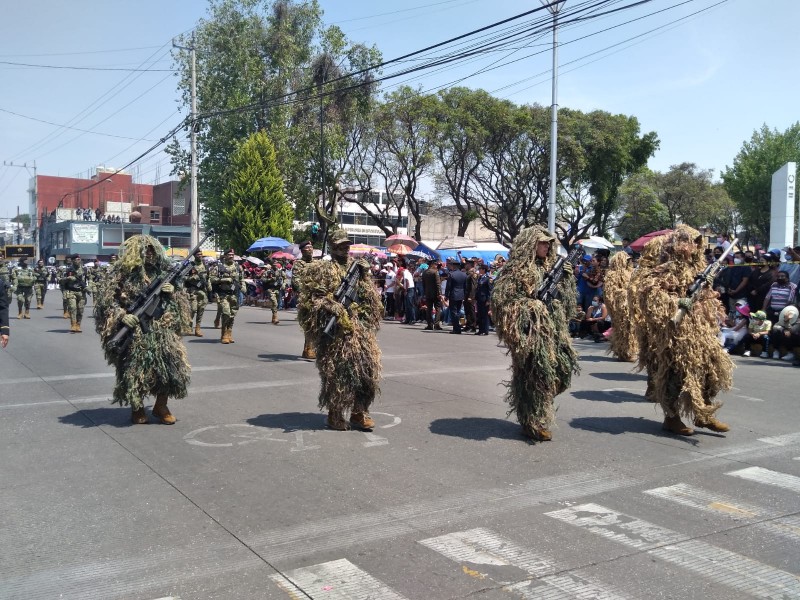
122 137
74 68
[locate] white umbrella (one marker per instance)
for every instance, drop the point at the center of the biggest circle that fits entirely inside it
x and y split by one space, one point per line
454 242
603 241
256 261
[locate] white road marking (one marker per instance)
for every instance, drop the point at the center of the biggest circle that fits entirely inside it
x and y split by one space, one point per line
250 433
743 574
788 439
374 440
481 548
334 580
104 375
687 495
761 475
299 443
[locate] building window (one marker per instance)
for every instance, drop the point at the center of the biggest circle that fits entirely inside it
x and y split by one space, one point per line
179 205
155 216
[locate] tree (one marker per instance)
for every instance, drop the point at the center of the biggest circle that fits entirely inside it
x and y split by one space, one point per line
749 180
23 218
253 205
686 192
641 210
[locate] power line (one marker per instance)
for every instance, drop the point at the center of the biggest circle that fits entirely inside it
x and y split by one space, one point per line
74 68
123 137
79 53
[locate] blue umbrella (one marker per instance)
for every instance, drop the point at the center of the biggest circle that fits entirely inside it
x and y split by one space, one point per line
268 243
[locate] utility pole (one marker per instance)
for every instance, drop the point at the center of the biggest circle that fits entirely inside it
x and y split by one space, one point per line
554 8
195 232
35 197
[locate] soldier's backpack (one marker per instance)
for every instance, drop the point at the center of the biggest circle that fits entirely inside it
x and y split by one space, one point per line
25 278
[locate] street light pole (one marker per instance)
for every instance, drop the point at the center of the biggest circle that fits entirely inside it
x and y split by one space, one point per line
195 229
554 8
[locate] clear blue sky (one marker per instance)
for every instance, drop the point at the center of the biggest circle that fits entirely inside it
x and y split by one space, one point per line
704 85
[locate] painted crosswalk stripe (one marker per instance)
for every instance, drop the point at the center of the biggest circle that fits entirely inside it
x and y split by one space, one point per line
527 574
686 495
787 439
761 475
334 580
722 566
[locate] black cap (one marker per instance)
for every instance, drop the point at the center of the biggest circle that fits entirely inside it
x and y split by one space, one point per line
302 245
74 256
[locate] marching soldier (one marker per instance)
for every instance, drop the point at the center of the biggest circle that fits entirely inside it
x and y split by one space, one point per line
23 278
60 276
74 283
5 275
40 286
198 288
300 266
272 280
226 283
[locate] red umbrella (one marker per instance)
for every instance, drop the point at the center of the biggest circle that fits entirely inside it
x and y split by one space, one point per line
400 249
282 255
401 238
639 244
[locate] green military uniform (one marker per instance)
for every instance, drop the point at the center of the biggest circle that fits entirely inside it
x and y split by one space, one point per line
298 272
74 283
198 288
273 280
226 282
5 275
61 274
23 278
40 286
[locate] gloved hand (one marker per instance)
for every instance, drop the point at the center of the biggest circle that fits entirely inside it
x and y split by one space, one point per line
685 303
167 288
131 321
710 279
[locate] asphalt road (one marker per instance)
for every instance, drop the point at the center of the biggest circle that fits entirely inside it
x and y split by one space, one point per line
248 496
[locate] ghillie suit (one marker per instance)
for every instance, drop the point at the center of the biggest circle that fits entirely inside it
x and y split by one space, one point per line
349 363
542 357
299 272
155 363
617 285
686 366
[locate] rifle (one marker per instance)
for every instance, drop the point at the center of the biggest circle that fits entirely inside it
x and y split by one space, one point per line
149 304
548 289
705 277
222 271
345 294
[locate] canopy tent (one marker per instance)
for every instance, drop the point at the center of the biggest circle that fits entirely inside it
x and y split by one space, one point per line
486 255
436 254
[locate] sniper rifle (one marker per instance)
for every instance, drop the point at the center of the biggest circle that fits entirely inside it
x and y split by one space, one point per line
345 294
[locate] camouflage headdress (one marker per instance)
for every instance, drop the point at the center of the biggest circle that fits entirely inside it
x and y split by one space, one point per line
134 250
524 247
339 237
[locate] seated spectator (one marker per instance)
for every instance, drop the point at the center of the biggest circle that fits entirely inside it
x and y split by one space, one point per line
780 295
785 332
757 331
576 320
596 320
731 336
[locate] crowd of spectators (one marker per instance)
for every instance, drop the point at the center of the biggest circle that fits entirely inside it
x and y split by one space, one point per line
87 214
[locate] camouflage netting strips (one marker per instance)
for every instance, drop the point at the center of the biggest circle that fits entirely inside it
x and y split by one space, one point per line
349 364
686 365
156 362
617 284
542 358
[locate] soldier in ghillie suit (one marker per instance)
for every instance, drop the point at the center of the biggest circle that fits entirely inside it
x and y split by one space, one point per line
298 275
226 282
616 285
155 363
198 288
686 365
349 361
537 338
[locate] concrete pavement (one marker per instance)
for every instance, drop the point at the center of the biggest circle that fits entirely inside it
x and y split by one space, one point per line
248 496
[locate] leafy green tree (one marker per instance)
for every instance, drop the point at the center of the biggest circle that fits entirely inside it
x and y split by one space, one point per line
253 205
687 193
641 210
23 218
749 180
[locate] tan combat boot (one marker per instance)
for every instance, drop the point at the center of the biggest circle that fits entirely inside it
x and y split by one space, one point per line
362 421
19 316
138 416
275 319
161 412
308 351
336 421
216 323
676 426
230 335
224 336
66 315
712 424
39 306
197 331
78 328
536 432
27 314
73 327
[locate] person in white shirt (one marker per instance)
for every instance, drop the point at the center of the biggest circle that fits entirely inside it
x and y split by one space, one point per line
389 287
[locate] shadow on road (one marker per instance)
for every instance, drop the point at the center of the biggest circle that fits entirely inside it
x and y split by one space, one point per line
476 428
620 376
93 417
602 396
618 425
58 331
292 421
282 357
596 358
